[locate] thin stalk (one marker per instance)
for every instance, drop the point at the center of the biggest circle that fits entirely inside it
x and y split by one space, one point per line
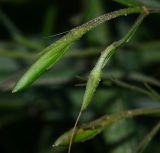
133 87
16 34
106 17
95 74
76 53
142 146
17 54
155 93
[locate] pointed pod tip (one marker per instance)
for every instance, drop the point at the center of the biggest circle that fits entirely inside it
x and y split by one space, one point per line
17 88
57 143
54 145
14 90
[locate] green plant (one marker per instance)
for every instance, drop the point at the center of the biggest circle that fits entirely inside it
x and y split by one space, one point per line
56 51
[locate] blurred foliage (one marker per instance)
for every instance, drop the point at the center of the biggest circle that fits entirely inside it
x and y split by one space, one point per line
30 121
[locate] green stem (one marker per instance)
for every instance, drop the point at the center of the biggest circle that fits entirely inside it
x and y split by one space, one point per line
107 120
142 146
16 34
101 19
90 130
76 53
133 87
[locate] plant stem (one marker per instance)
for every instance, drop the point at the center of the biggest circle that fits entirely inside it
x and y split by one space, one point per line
142 146
91 129
133 87
16 34
103 18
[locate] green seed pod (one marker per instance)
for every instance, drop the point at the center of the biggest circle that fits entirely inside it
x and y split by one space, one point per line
49 57
56 50
91 129
92 84
81 135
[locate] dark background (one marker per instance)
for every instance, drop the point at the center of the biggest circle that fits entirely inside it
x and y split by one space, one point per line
30 121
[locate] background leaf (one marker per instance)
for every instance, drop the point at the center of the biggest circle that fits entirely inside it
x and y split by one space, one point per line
131 3
134 3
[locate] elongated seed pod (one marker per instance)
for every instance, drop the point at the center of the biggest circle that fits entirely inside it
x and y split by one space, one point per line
36 70
55 51
92 84
91 129
49 57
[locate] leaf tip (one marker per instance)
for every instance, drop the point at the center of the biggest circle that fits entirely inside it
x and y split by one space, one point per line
58 142
18 87
15 89
54 145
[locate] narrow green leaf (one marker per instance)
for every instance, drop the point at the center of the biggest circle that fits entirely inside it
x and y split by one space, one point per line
88 131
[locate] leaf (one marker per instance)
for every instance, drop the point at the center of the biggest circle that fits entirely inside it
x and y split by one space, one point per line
88 131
